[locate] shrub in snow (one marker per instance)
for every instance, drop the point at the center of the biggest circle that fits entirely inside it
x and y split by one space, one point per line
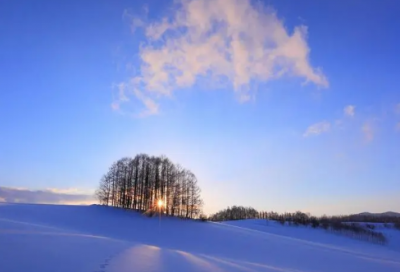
203 218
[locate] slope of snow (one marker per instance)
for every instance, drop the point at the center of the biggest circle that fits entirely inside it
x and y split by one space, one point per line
319 235
48 238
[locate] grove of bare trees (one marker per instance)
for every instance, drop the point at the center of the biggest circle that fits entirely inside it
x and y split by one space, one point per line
235 213
147 183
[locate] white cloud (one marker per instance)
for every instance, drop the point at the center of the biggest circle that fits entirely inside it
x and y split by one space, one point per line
368 131
234 41
120 95
73 191
48 196
317 129
349 110
151 106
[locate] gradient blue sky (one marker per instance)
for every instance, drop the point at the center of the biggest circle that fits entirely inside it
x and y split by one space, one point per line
321 134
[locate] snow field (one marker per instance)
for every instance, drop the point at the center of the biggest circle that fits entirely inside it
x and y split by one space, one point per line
48 238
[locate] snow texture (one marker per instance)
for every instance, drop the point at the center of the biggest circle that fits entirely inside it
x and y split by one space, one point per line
49 238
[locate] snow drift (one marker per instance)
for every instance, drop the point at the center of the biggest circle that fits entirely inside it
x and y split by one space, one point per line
48 238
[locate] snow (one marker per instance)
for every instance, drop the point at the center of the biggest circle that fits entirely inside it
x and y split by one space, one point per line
48 238
320 235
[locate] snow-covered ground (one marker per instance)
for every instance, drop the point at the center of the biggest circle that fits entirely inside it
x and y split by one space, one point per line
49 238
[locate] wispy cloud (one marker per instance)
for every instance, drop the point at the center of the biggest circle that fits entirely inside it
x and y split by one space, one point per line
349 110
150 104
120 95
74 191
317 129
368 132
234 41
48 196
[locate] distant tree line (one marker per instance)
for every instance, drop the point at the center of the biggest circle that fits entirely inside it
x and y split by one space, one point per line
370 218
301 218
347 224
235 213
149 184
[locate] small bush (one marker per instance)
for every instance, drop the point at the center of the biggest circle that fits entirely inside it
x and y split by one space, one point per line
314 222
325 225
370 226
149 213
203 218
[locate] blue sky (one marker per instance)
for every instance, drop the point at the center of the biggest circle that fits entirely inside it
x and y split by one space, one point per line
281 105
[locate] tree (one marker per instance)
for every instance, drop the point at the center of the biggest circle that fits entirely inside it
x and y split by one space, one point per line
141 182
235 213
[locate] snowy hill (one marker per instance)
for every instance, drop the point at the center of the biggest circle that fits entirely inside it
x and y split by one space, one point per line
49 238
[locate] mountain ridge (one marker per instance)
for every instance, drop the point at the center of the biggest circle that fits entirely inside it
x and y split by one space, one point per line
388 213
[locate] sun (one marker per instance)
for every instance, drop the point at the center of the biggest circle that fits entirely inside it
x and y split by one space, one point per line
160 203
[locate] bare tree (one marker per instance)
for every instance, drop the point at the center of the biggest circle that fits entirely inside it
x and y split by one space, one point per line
141 182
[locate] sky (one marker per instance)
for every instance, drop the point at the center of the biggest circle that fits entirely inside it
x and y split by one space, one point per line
279 105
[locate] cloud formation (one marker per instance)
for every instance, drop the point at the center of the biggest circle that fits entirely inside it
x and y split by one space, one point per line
317 129
71 191
368 132
234 42
349 110
48 196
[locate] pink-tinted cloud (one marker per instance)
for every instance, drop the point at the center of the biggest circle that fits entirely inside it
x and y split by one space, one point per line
234 41
368 132
349 110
